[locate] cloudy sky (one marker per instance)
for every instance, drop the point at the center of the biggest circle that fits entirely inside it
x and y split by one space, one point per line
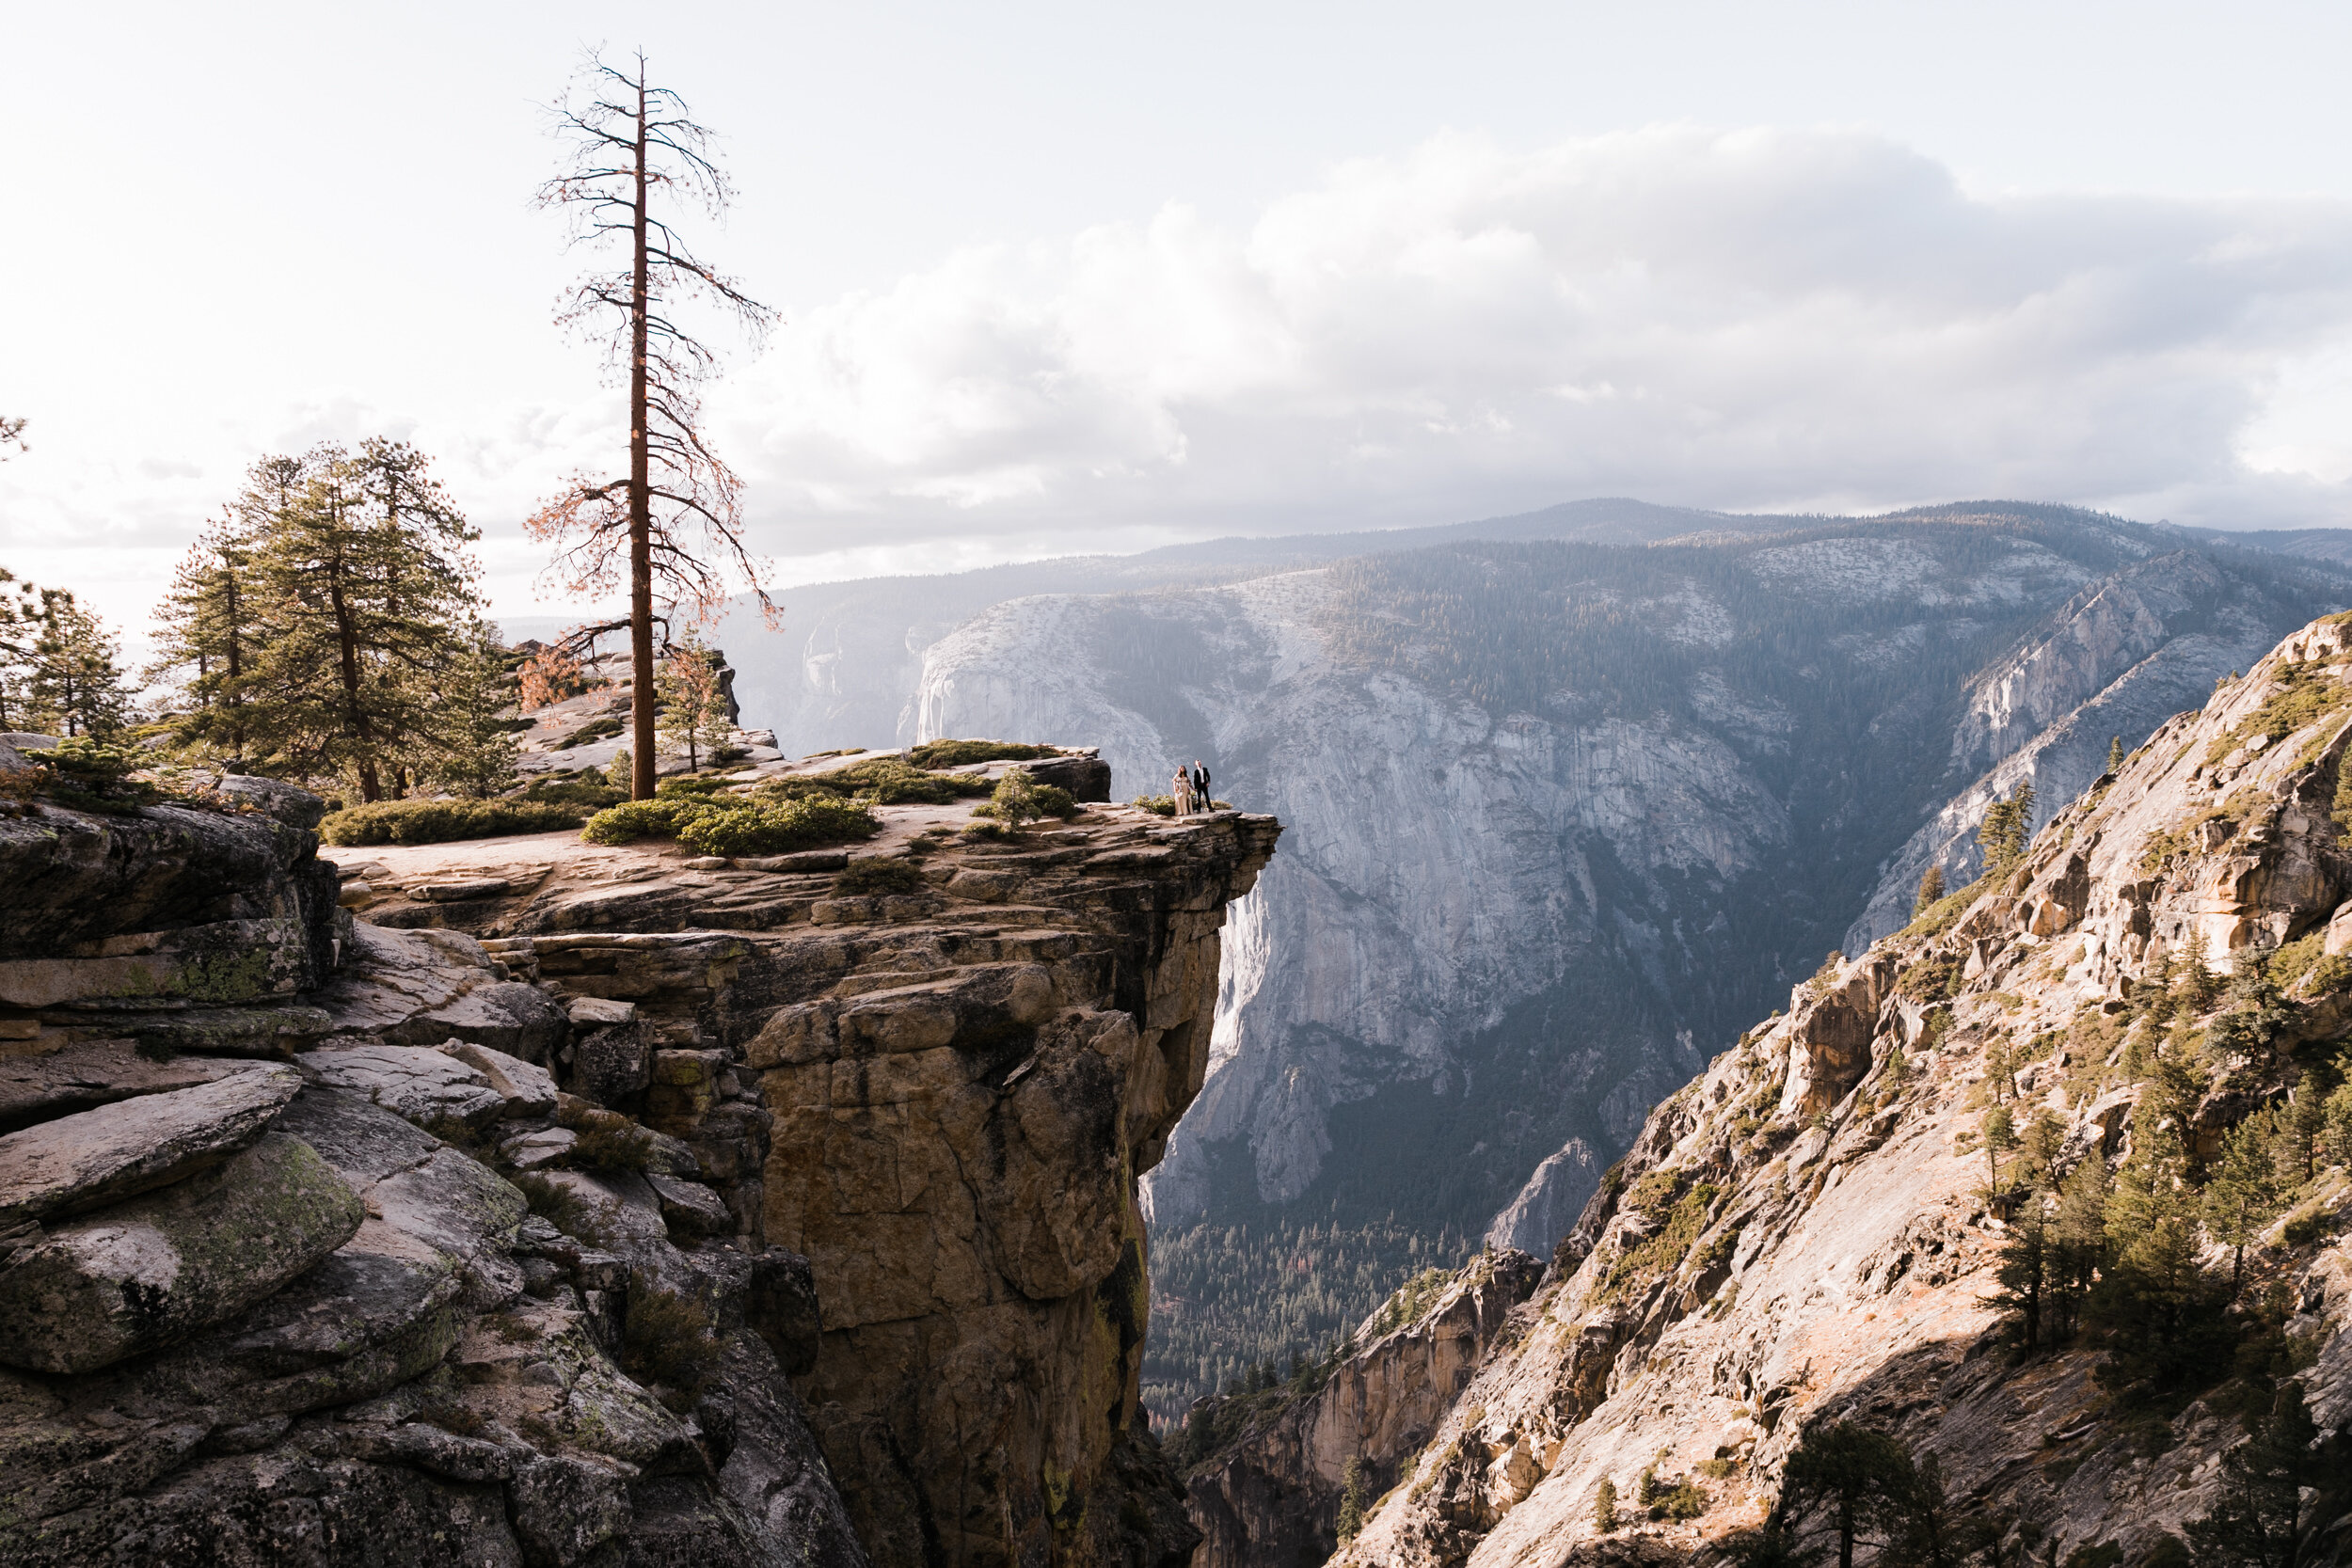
1075 277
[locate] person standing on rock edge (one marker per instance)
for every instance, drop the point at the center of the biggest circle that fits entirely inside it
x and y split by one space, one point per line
1179 790
1200 785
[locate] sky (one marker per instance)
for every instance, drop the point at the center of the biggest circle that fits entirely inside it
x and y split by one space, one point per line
1074 277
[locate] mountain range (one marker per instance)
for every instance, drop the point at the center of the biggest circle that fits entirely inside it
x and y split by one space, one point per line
1572 797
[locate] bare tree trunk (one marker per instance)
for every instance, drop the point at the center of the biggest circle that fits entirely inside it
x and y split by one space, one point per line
640 495
371 785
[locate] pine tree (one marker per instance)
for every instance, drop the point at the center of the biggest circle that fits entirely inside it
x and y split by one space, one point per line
72 681
2258 1521
1605 1506
2000 1136
1856 1476
2242 1195
472 746
2115 754
204 629
2196 983
1351 1501
694 708
2024 1273
2301 1129
362 595
1930 889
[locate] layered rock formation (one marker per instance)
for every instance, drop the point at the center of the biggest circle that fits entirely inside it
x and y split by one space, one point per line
1273 1492
1806 1235
404 1245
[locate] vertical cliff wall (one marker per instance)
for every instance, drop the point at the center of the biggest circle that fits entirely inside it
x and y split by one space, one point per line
494 1234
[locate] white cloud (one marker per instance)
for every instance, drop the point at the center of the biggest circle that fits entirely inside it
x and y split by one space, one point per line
1755 319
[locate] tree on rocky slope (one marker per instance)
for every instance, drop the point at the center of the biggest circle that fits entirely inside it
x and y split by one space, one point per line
1930 889
1847 1483
671 528
67 677
2242 1195
2261 1520
315 626
2006 829
694 717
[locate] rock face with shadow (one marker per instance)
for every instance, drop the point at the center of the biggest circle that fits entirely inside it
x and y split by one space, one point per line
815 1244
1807 1233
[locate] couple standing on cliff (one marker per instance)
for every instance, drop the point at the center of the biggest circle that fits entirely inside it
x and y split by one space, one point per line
1191 788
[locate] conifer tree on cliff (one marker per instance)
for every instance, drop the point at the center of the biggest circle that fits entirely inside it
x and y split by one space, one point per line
671 528
315 627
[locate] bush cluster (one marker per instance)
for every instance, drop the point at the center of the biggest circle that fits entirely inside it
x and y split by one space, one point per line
960 753
442 821
710 823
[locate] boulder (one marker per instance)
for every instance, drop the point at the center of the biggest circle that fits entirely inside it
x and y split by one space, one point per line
566 1507
291 804
162 1266
90 1072
614 1065
597 1012
115 1151
690 1207
505 1015
527 1087
421 1085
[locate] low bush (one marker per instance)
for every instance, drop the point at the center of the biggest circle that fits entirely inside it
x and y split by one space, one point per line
775 827
592 732
668 1337
631 820
959 754
442 821
1164 805
588 791
866 878
609 1148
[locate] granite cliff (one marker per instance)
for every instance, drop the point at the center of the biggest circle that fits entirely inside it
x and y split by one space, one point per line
2135 1029
530 1201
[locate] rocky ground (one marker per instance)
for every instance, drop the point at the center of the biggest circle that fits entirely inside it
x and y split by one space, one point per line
1807 1233
612 1209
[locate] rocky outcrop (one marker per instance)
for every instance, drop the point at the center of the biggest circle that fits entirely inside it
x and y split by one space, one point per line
942 1098
1273 1494
459 1251
1806 1235
1547 1206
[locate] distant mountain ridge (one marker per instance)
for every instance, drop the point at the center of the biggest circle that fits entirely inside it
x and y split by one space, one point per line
1573 796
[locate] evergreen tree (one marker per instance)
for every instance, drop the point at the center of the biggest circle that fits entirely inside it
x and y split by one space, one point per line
2161 1318
1605 1506
1857 1478
2196 982
2258 1521
694 716
314 628
2006 830
72 682
472 745
2024 1273
2000 1136
2115 754
2301 1131
1351 1501
2078 1245
2242 1195
204 629
1930 889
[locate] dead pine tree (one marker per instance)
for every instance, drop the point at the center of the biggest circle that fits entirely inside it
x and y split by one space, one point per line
674 524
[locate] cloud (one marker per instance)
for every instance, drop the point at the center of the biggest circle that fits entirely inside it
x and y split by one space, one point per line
1760 318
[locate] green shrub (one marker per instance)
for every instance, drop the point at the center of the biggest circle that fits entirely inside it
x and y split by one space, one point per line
876 876
775 827
90 762
611 1147
634 819
959 754
589 791
689 787
1942 916
442 821
1165 805
667 1337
